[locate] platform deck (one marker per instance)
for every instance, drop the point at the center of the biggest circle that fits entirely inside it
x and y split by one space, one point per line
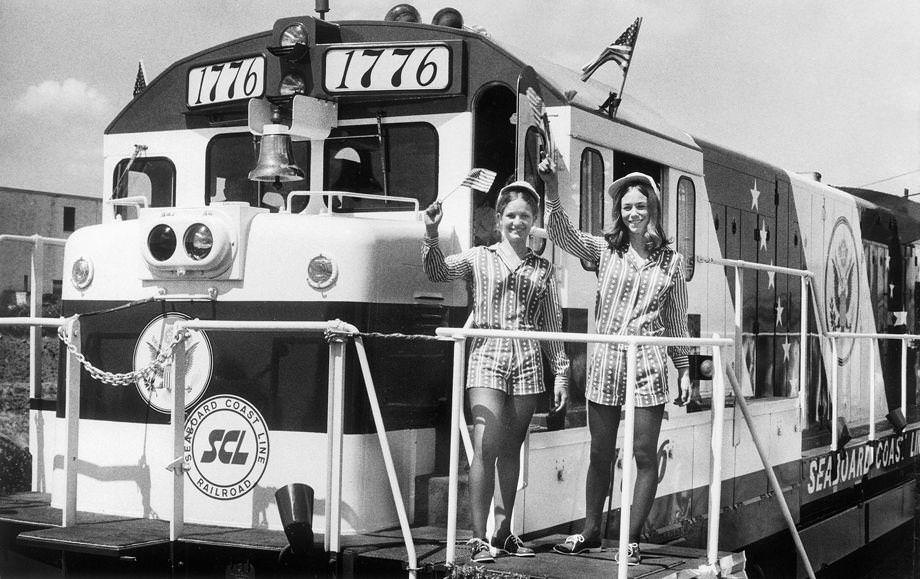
107 535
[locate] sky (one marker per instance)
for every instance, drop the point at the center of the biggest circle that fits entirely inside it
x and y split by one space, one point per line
809 85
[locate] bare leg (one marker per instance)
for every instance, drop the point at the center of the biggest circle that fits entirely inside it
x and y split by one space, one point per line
486 407
645 449
516 419
603 422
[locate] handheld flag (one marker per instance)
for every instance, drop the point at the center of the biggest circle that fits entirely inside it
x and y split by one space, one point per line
538 109
619 51
140 81
478 179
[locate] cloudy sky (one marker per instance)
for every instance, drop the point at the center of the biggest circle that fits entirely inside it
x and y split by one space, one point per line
812 85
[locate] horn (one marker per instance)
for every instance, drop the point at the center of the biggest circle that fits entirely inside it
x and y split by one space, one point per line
276 157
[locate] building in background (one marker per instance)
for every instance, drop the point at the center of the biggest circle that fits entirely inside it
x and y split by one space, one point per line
28 212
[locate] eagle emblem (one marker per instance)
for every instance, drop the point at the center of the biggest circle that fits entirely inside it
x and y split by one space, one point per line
158 337
841 285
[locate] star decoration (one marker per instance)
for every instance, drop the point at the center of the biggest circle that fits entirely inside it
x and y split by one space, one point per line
755 196
771 277
779 312
763 234
900 318
786 346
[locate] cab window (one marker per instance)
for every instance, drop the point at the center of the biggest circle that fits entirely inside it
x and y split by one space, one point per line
400 161
686 224
592 191
231 157
153 178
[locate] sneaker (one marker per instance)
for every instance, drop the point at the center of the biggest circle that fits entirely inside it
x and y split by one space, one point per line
633 556
512 545
576 544
479 551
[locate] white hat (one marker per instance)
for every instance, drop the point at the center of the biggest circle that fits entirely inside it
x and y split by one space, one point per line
521 185
632 179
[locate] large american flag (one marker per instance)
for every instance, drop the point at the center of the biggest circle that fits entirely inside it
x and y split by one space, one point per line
619 51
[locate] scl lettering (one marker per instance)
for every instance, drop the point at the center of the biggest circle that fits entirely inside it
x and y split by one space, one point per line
220 451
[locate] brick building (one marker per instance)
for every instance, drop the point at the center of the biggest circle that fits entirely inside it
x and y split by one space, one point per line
28 212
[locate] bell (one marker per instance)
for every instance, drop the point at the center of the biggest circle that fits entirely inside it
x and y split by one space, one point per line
276 157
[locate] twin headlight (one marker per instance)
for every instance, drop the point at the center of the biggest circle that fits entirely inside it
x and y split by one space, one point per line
183 244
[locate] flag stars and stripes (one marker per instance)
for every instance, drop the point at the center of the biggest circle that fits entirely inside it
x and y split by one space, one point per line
619 51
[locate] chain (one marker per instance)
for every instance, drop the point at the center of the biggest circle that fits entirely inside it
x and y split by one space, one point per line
146 373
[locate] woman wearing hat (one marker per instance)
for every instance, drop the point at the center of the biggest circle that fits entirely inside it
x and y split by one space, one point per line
512 289
641 290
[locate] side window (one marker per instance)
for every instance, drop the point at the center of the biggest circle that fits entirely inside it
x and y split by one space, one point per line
231 157
153 178
592 192
686 224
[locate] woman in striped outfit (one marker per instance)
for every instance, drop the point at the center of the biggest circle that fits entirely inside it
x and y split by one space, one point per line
512 289
641 290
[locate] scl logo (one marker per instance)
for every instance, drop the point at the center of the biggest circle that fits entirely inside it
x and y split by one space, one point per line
226 447
220 452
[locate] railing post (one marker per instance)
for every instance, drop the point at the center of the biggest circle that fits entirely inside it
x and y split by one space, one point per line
37 289
739 351
715 479
72 428
803 352
904 378
834 392
335 429
456 410
628 438
176 377
871 391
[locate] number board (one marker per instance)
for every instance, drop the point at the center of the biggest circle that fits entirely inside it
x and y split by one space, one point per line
403 67
226 81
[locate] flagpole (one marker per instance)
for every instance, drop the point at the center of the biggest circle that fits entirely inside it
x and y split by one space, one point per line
626 72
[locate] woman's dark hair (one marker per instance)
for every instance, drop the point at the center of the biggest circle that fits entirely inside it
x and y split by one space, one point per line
618 235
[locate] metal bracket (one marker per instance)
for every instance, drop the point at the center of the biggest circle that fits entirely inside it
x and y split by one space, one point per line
178 466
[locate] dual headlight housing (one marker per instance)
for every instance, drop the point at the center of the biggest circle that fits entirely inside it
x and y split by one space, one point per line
182 245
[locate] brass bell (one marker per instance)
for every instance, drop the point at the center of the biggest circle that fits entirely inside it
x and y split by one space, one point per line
276 157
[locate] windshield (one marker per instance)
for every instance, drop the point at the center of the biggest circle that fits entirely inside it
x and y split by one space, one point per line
356 161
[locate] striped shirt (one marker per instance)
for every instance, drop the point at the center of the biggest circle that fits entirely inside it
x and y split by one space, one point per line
506 298
634 298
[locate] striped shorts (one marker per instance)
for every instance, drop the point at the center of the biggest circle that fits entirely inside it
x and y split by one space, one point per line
513 366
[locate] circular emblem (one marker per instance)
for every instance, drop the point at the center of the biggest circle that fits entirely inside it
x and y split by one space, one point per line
841 286
226 447
158 336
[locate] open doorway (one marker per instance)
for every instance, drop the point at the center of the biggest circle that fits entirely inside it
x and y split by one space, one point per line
493 149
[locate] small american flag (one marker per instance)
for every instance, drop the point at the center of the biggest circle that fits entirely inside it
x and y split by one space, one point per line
619 51
479 179
140 81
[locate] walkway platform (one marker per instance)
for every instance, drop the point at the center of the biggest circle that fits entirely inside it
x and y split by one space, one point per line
367 555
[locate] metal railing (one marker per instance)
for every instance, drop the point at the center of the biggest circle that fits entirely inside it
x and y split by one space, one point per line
337 331
805 276
632 343
834 337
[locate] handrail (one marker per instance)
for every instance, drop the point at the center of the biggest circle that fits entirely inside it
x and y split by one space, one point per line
460 335
834 336
805 276
337 330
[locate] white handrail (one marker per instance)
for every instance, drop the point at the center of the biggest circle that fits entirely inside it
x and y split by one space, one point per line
834 336
459 335
805 276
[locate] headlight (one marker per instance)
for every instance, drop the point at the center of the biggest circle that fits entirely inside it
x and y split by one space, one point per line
161 242
198 241
81 274
322 272
293 34
292 84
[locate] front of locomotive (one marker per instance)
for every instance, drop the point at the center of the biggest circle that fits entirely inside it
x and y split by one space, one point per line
270 178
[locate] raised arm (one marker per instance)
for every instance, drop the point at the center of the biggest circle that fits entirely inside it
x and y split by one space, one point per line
437 266
559 229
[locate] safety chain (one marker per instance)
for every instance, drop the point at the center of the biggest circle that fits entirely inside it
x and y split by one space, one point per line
406 337
146 373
